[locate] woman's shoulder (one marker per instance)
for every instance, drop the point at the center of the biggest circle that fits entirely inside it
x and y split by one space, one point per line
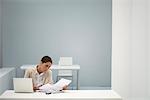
30 70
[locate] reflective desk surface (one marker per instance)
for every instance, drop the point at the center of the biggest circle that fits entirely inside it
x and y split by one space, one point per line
66 95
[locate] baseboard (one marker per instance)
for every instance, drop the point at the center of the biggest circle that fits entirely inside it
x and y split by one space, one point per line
91 88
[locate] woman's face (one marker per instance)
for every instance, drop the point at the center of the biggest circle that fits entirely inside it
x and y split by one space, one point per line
45 66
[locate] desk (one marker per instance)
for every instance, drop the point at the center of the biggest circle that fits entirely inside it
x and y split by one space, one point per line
57 67
67 95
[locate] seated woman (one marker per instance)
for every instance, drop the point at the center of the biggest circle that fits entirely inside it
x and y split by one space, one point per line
41 74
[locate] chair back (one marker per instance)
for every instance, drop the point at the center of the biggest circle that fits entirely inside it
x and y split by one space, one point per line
65 61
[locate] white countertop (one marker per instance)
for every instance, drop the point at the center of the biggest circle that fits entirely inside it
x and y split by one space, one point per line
72 67
68 94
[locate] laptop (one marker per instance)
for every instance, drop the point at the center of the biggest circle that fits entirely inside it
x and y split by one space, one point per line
23 85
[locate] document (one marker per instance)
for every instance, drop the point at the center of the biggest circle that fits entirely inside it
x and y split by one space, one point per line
55 88
62 82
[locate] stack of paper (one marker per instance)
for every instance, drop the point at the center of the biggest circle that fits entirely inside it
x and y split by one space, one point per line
54 88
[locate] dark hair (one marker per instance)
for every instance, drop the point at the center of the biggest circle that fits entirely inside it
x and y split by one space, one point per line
46 59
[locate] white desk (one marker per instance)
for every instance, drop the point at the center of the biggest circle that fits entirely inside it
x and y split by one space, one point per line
57 67
67 95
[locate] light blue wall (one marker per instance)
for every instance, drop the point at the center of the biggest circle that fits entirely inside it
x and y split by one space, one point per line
77 28
0 33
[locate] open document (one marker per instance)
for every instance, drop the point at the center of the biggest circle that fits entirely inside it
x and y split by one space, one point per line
54 88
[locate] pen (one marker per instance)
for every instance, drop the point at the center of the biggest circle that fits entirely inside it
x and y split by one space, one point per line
48 93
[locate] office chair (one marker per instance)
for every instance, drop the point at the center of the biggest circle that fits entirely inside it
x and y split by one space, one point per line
63 73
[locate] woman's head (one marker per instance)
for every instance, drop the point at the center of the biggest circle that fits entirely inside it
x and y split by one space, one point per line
46 59
45 64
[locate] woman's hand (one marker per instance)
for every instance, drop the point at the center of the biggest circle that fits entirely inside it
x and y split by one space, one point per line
65 87
35 88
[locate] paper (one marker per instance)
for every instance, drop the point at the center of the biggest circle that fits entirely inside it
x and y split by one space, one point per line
53 88
62 82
